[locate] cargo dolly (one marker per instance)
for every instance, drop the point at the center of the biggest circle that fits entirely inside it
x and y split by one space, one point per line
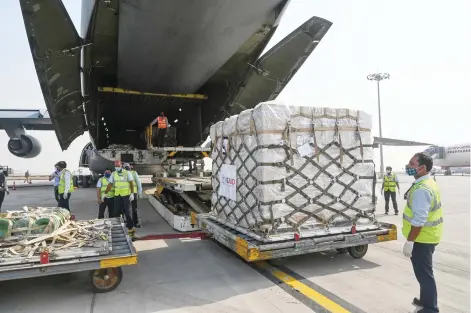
105 270
200 223
251 250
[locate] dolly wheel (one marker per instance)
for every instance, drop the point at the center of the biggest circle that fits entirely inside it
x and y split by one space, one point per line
357 252
106 279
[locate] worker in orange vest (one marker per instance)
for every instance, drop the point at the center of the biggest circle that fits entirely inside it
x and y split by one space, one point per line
162 125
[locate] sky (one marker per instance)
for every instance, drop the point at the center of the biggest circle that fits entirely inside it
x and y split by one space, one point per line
423 44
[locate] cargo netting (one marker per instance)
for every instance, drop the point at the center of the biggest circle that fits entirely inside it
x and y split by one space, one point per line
298 169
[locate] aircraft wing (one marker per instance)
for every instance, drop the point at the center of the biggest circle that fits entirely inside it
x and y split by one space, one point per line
397 142
55 47
270 74
28 119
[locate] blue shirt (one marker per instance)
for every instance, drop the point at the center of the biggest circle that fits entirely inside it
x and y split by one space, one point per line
421 204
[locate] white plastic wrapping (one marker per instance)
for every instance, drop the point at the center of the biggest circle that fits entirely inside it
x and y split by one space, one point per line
281 190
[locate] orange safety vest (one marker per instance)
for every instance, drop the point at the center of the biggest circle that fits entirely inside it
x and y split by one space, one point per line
161 122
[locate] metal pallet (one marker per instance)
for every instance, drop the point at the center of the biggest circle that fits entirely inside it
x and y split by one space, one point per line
252 250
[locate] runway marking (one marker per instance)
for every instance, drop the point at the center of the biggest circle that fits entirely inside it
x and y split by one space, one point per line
318 299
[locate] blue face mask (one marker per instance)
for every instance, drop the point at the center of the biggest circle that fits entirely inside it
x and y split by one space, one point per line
411 171
107 175
118 169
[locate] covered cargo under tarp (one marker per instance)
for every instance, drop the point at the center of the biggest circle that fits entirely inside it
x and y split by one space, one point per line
285 171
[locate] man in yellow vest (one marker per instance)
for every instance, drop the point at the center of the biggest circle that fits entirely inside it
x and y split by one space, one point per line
121 181
422 226
137 190
390 183
162 125
105 199
66 186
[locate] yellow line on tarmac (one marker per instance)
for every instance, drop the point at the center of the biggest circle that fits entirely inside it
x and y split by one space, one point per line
307 291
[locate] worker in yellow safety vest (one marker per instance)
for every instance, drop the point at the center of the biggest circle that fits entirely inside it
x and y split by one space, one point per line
105 199
422 226
66 185
137 191
121 181
162 125
390 183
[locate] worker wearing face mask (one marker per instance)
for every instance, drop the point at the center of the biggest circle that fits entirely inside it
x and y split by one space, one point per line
137 190
66 186
122 182
390 183
105 199
422 226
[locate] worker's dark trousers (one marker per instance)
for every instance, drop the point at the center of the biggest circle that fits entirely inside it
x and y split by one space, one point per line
423 270
64 202
121 206
392 195
135 218
107 202
56 194
2 196
161 136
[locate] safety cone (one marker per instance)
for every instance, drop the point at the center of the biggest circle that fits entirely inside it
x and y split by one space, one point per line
14 186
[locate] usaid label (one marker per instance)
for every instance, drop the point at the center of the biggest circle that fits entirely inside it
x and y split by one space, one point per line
228 181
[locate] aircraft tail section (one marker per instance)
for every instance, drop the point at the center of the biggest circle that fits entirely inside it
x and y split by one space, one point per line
56 50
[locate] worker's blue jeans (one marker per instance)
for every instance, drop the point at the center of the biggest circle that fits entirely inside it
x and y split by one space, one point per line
423 269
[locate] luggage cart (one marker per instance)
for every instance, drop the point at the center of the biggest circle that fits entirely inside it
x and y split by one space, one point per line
105 270
252 250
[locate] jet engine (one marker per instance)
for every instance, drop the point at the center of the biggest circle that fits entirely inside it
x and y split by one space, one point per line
24 146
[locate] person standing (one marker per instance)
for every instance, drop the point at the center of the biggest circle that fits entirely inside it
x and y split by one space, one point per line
56 176
423 226
66 186
3 187
390 183
162 125
27 179
105 199
137 190
121 181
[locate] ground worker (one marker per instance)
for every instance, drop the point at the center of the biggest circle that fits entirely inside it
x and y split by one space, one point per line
137 190
122 182
27 179
66 186
56 176
390 182
105 199
162 125
3 187
422 226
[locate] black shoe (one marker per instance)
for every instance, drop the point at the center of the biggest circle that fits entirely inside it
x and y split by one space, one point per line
397 213
417 302
386 213
138 225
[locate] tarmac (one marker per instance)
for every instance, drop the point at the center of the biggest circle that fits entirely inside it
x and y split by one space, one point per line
183 275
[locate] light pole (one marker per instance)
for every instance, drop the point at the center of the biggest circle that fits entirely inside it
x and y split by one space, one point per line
379 77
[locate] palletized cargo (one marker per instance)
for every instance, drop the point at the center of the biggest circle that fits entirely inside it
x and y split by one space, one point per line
281 172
